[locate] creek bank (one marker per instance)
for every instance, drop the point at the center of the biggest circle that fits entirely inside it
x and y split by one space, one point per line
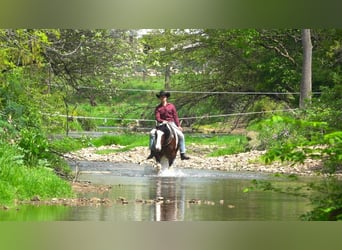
242 162
247 161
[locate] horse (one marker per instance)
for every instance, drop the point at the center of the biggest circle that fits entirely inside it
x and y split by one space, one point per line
166 144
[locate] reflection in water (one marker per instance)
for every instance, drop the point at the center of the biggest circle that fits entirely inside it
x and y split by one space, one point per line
169 206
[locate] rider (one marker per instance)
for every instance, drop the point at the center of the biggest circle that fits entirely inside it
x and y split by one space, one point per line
166 112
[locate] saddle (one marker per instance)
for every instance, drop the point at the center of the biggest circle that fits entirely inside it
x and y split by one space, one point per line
173 133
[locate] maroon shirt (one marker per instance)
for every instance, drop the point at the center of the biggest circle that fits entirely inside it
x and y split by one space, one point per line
167 113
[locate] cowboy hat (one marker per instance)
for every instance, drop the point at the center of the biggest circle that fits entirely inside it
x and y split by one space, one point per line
163 93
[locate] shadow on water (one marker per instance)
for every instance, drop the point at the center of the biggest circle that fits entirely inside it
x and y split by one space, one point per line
173 195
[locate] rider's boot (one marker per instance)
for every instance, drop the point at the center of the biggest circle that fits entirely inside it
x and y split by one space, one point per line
184 157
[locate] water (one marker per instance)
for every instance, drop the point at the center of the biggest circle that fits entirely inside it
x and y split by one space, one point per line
173 195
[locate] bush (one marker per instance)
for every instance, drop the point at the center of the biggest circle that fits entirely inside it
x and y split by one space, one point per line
17 181
33 144
326 200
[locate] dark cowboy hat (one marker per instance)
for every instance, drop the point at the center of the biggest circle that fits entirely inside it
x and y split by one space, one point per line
163 93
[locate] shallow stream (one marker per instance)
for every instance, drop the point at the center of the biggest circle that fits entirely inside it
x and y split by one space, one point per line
173 195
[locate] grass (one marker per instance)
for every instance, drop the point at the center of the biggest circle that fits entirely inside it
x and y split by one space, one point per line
129 141
225 144
19 182
68 144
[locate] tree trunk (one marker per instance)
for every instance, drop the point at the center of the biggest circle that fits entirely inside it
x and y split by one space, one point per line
167 77
67 116
306 83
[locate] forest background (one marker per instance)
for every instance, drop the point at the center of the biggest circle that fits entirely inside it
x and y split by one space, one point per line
53 80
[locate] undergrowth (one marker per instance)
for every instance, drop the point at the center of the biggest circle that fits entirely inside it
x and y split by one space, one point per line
21 182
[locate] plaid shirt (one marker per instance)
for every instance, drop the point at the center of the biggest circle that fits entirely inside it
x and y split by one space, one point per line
167 113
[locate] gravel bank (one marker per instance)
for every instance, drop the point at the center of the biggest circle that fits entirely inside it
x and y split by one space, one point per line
247 161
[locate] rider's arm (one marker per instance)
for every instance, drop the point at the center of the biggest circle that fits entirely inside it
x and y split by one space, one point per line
175 116
157 115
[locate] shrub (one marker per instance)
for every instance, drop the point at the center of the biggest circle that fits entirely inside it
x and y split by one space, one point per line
17 181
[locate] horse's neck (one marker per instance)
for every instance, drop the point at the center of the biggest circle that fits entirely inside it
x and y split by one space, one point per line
173 133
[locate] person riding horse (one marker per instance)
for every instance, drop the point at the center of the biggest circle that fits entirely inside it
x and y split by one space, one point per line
166 112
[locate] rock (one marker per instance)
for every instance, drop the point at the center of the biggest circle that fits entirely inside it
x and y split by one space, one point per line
35 198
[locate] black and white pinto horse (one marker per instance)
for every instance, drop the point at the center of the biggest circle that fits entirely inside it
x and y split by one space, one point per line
166 145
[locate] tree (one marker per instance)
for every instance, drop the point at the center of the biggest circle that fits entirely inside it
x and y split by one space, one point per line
306 82
89 64
164 49
89 61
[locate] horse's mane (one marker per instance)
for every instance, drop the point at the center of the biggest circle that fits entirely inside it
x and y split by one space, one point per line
163 127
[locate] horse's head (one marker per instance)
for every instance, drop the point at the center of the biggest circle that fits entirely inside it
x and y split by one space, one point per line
166 144
162 135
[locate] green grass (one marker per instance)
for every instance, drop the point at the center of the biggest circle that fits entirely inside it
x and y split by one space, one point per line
225 144
129 141
19 182
68 144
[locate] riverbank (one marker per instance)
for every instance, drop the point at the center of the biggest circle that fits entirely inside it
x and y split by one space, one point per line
242 162
247 161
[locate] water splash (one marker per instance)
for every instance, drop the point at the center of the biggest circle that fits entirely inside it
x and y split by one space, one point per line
171 172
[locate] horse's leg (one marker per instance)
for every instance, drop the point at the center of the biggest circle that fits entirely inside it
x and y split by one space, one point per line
171 156
157 156
171 160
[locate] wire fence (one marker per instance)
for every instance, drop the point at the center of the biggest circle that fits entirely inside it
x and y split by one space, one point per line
217 92
196 92
138 121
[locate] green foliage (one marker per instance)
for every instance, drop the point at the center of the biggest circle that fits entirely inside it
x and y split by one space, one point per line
7 130
325 195
327 107
295 139
46 73
312 134
17 181
277 130
301 140
326 200
332 153
33 145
